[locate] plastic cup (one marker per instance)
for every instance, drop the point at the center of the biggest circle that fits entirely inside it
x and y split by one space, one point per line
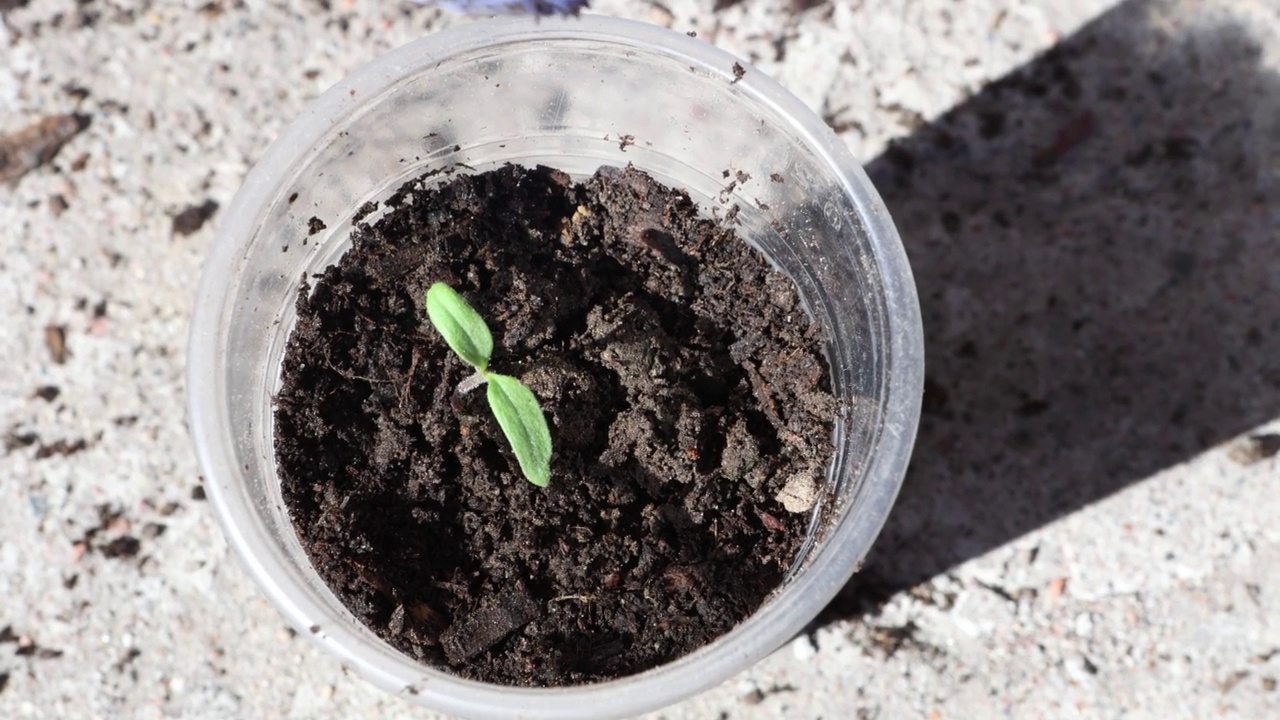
573 94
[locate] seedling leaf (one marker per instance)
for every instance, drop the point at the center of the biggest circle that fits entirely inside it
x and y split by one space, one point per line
521 420
462 327
513 404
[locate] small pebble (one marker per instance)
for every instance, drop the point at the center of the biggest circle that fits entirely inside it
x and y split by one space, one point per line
803 648
800 493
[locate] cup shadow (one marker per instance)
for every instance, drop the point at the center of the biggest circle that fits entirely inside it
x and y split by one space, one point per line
1094 241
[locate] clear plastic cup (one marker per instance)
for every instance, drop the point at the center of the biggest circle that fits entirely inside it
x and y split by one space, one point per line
572 94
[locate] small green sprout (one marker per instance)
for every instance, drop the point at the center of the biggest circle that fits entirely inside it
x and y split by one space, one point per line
513 404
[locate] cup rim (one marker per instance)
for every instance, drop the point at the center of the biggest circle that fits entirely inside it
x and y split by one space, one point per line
772 625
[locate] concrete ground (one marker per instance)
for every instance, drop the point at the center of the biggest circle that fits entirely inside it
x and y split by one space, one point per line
1088 192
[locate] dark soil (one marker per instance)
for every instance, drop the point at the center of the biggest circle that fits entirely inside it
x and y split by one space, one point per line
684 385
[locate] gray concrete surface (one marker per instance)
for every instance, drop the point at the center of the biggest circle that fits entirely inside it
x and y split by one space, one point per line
1089 526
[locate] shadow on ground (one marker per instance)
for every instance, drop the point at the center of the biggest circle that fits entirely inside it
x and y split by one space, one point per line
1097 266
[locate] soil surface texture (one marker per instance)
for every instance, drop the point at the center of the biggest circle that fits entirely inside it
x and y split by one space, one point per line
690 412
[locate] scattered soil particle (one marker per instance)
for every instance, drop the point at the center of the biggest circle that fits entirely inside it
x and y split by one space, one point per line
757 695
127 659
739 72
112 522
726 193
76 92
365 211
55 339
33 146
61 447
4 681
1057 587
15 440
315 225
197 493
888 640
124 547
626 141
683 383
777 177
193 217
1255 449
1229 683
48 393
27 647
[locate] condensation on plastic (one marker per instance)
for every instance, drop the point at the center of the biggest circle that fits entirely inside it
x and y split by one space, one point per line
573 94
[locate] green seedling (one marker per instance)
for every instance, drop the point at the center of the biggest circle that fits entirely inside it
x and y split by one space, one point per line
514 405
